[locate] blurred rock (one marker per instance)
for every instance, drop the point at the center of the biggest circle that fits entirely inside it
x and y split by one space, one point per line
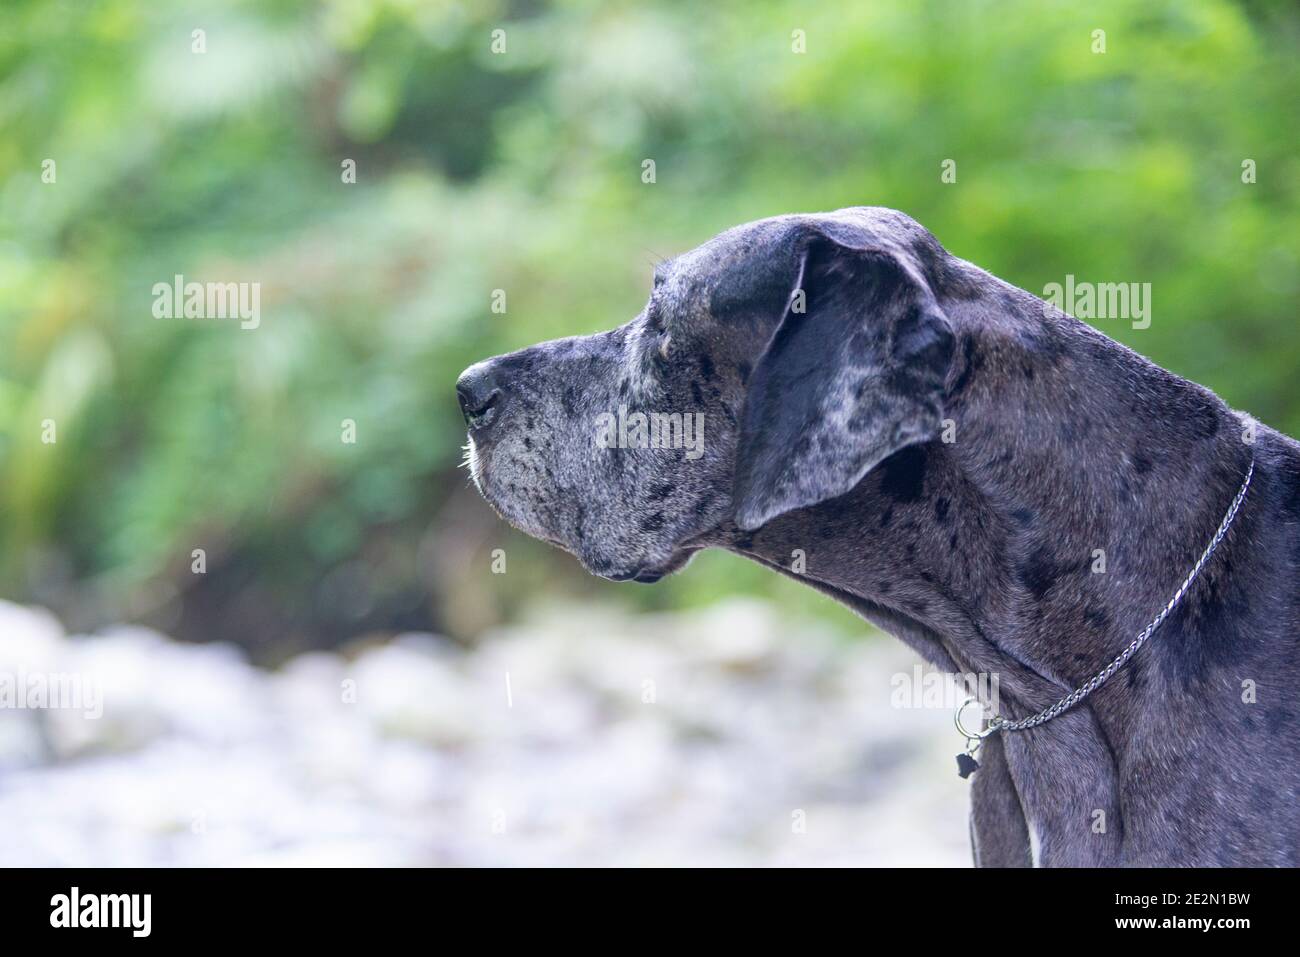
587 736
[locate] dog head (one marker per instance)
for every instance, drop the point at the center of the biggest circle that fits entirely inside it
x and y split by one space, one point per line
770 370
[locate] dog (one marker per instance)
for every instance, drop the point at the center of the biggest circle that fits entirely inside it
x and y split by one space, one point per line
969 468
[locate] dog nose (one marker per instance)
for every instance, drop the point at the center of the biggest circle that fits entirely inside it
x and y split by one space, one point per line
479 394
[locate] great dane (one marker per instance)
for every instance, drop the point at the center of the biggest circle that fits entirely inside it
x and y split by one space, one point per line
996 483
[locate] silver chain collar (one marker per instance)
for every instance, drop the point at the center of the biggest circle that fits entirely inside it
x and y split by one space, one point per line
999 723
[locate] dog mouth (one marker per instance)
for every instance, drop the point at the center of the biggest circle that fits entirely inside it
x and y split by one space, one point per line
644 573
510 507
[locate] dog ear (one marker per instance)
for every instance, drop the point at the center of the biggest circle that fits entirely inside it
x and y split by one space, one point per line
854 372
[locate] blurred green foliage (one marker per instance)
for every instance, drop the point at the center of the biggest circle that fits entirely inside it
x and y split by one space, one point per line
522 171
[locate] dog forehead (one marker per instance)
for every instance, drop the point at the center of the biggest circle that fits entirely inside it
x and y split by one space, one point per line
742 273
737 269
742 247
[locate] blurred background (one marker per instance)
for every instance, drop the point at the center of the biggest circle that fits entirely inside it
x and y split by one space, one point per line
228 735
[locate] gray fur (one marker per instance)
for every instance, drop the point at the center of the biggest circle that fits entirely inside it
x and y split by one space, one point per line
823 434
